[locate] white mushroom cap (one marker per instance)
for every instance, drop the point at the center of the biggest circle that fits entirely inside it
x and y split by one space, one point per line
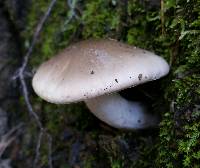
95 67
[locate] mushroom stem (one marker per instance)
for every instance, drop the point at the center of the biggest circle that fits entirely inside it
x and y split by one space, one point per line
118 112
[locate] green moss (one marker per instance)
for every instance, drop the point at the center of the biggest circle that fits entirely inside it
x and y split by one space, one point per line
88 163
105 18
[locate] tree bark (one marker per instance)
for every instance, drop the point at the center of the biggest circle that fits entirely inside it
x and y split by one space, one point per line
9 59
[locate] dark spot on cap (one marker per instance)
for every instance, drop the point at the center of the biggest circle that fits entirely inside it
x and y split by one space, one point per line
130 77
139 121
145 77
92 72
116 80
140 76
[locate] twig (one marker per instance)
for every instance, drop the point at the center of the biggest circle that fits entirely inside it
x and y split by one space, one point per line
162 16
9 137
21 75
37 156
50 150
71 14
35 36
27 101
5 163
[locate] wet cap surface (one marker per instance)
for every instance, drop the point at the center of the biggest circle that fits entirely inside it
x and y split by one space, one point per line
92 68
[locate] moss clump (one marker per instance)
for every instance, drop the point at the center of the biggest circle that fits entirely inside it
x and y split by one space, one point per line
104 20
179 133
171 31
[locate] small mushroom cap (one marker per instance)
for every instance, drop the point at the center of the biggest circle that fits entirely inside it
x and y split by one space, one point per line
92 68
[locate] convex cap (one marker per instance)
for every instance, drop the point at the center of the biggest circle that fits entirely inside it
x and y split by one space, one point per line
92 68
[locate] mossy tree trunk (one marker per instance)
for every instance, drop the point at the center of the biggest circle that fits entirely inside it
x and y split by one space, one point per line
170 29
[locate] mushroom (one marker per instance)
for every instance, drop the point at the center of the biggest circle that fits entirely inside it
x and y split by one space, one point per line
93 71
